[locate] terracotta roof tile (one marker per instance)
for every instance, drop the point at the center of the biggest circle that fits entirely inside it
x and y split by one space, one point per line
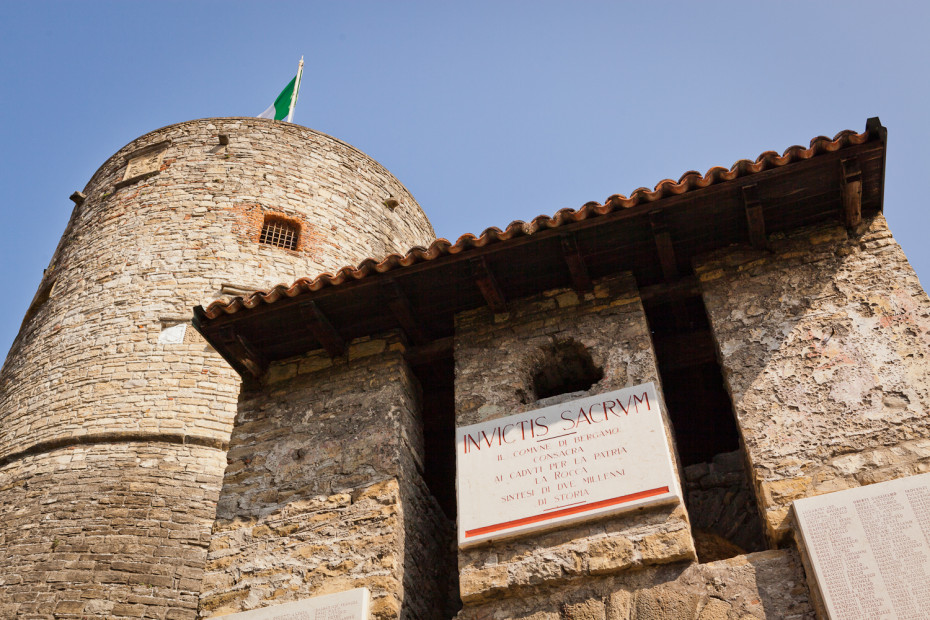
688 182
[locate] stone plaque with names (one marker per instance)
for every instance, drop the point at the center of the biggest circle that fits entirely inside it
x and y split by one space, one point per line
869 549
348 605
577 460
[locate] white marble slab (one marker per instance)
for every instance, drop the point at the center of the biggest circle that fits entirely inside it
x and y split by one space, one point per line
348 605
869 549
578 460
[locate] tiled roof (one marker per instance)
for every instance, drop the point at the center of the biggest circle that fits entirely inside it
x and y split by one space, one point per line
689 182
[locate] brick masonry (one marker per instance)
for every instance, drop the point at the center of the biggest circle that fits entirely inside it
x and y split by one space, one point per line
495 359
145 246
324 490
823 343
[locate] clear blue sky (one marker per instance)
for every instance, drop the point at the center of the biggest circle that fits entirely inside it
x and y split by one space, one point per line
487 111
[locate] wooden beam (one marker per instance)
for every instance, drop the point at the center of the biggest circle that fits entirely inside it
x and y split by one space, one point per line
664 246
487 284
686 287
403 312
677 351
430 353
852 192
322 329
755 219
581 280
242 354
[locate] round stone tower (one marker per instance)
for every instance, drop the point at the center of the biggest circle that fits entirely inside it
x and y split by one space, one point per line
114 416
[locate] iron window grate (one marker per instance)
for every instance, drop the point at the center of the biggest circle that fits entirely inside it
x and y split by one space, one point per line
279 234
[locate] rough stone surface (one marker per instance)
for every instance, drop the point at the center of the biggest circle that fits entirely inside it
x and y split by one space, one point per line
495 360
722 507
324 491
765 585
144 247
823 344
79 539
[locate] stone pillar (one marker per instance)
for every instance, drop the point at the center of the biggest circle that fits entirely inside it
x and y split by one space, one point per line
323 490
572 566
823 343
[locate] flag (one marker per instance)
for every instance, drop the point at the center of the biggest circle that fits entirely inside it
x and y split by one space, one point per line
283 106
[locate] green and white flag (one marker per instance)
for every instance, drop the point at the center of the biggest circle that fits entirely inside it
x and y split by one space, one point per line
283 106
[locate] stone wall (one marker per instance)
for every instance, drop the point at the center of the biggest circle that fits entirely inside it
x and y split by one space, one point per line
324 491
495 358
106 530
169 222
722 506
769 584
823 343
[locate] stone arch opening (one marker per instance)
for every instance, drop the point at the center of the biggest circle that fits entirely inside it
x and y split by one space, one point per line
564 367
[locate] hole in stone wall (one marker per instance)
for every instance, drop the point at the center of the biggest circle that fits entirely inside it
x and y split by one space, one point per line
564 367
279 232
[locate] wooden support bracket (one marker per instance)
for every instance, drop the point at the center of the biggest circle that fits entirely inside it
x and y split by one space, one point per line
242 353
403 312
581 280
322 329
488 286
664 246
852 192
755 219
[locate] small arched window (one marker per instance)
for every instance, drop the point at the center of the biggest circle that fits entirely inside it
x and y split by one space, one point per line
280 233
564 367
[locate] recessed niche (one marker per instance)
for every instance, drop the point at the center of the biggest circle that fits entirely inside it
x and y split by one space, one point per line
562 368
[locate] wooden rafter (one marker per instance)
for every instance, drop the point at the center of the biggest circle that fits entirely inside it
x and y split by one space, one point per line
852 192
664 246
581 280
242 353
488 285
755 219
322 329
402 310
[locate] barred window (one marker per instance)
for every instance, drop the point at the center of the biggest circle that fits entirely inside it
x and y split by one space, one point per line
279 233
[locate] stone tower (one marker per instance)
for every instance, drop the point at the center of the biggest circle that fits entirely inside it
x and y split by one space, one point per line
115 418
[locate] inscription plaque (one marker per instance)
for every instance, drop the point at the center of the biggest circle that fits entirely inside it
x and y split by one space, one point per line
143 164
348 605
576 460
869 549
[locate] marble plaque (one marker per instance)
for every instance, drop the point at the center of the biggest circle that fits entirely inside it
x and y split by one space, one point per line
869 549
348 605
568 462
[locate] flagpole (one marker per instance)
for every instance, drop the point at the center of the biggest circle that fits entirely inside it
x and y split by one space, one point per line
300 71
